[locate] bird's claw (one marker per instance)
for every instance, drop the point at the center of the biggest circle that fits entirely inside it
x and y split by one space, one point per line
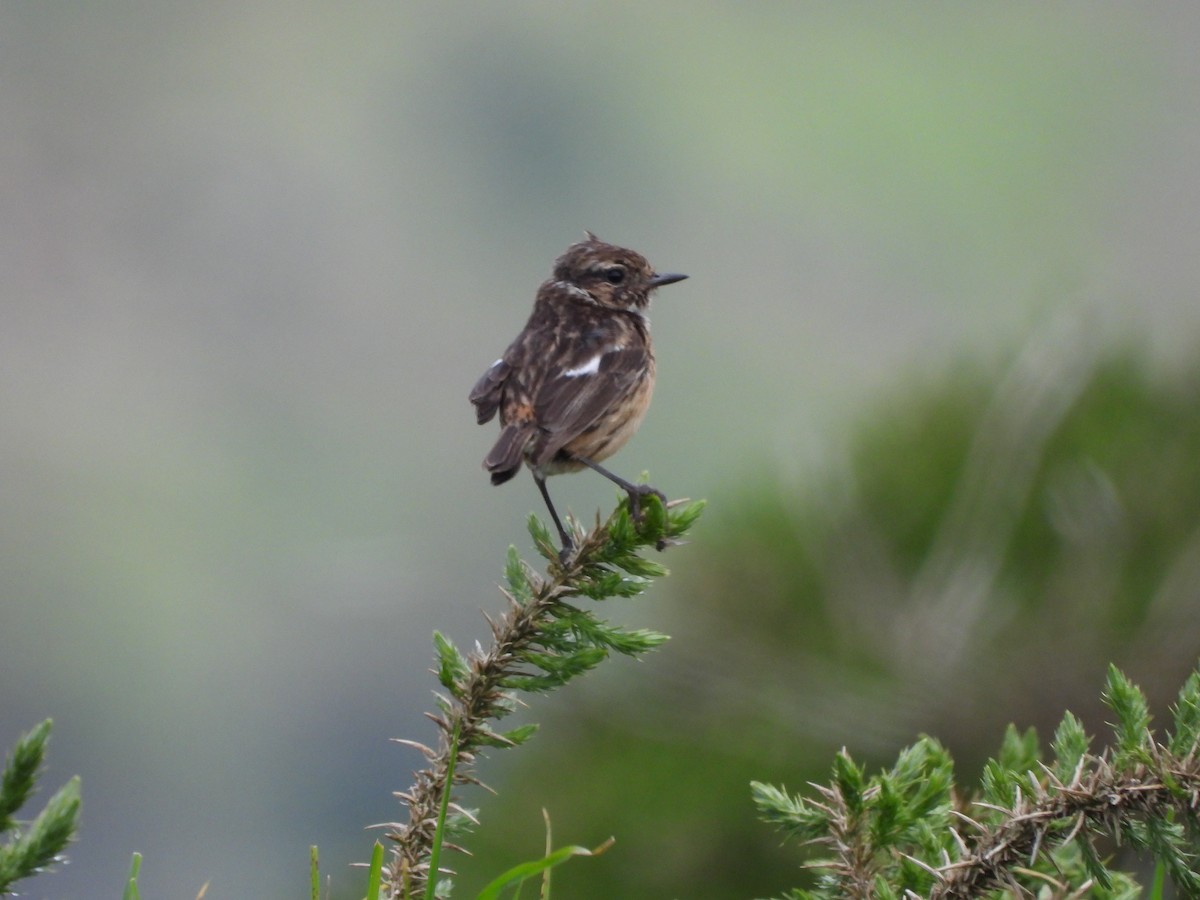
635 499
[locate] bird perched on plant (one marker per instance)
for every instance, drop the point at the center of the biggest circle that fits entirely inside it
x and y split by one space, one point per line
573 387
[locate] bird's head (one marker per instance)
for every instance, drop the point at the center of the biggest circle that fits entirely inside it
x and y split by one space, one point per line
611 276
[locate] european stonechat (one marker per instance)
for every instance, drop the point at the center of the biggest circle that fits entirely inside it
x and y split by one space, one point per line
575 384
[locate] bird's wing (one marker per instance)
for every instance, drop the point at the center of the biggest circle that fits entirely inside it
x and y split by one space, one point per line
489 391
579 390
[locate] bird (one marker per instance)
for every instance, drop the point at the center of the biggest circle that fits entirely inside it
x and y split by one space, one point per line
575 384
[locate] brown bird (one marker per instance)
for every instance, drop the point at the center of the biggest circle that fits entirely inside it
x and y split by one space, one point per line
573 387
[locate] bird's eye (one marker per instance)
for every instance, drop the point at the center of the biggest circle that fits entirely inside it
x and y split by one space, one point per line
615 275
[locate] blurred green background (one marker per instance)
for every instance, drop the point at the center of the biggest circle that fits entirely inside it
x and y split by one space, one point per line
933 370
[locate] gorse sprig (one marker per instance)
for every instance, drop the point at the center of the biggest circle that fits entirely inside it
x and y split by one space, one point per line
30 850
542 641
1032 827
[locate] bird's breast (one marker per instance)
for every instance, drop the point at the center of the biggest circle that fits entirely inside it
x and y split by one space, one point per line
612 430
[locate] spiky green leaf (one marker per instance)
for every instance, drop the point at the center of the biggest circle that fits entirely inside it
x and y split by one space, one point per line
1070 744
1186 732
792 815
635 642
1132 711
1019 752
997 784
850 780
565 665
887 810
603 584
680 519
520 734
452 667
516 575
21 770
45 838
622 536
542 541
640 566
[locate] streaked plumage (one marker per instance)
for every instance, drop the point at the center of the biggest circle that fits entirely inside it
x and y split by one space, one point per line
575 384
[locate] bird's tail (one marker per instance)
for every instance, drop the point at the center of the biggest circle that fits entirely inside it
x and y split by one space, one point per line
505 458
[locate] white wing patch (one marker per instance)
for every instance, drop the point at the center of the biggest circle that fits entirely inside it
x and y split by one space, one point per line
591 367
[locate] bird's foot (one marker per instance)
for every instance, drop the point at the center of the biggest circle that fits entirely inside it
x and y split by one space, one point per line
636 493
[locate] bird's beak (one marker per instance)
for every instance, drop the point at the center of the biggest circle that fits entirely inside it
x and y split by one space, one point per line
668 278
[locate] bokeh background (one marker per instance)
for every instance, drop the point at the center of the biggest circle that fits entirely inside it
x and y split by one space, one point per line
932 371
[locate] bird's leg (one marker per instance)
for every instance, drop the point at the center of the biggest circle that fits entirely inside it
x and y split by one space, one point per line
635 491
567 543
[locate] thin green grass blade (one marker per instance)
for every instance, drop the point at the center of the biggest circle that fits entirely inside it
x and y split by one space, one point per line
439 835
375 875
1160 878
524 871
131 888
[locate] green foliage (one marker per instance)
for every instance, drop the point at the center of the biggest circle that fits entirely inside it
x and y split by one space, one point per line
1029 825
974 551
20 773
1132 727
519 874
30 850
135 868
1060 492
1070 746
452 667
375 872
851 782
907 806
1187 718
542 642
1003 776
